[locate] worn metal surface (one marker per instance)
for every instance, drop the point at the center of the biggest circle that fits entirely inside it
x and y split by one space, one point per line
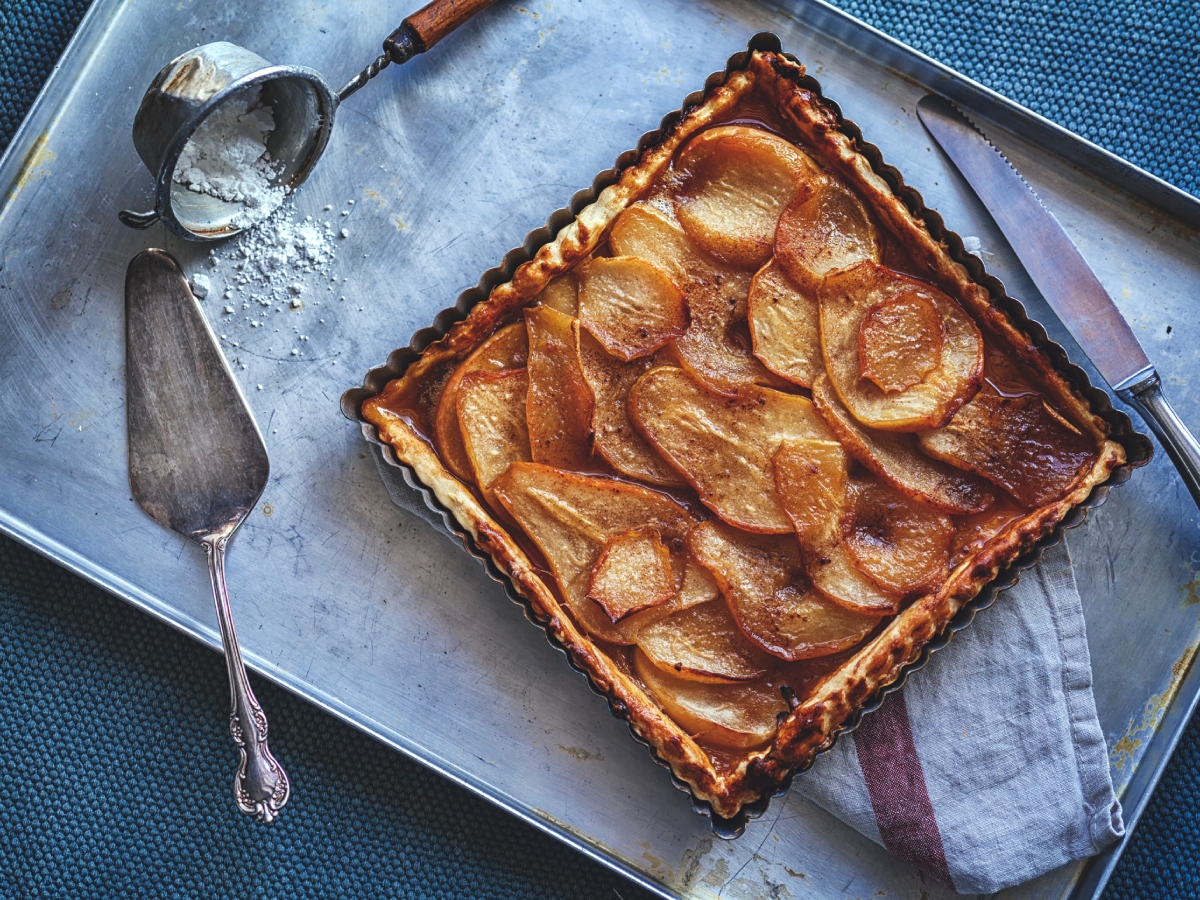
197 465
452 159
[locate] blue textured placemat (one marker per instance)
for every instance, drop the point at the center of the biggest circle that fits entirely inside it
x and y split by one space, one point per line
114 760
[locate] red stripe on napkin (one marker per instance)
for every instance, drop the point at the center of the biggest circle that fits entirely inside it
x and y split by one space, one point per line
896 785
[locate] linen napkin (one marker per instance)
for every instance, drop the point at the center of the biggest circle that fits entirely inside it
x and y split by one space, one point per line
989 768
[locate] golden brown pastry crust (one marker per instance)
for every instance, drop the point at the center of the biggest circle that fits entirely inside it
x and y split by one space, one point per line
815 721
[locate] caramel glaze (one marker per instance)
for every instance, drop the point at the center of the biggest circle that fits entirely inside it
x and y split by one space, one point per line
1002 377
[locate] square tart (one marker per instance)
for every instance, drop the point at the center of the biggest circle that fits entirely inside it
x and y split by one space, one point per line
745 436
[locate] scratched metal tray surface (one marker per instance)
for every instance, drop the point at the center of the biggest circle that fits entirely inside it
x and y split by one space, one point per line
452 159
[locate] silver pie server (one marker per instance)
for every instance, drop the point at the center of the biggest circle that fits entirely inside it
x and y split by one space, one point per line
197 465
195 84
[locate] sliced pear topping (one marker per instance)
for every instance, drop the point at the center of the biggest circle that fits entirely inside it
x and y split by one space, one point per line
731 716
559 411
561 294
698 587
615 438
735 182
632 573
630 305
508 348
491 416
724 445
824 229
811 479
785 326
1021 444
716 348
571 517
900 341
648 233
895 460
763 580
901 545
846 297
836 575
704 643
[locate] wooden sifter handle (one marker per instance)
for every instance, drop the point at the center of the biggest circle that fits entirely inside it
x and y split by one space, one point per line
428 25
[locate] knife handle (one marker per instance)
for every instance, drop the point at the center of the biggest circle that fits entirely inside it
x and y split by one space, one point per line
1181 445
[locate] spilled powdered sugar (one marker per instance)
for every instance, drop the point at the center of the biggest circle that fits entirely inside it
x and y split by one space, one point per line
284 265
282 260
227 158
266 266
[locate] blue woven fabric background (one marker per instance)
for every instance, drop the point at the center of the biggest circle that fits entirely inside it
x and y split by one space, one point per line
115 762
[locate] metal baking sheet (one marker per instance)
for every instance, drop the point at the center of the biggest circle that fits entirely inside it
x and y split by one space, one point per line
373 615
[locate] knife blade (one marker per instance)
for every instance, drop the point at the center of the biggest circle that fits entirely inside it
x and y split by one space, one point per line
1064 279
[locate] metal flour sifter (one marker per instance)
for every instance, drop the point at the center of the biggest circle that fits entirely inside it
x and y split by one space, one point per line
194 85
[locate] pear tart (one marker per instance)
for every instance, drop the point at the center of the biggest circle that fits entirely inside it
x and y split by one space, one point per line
745 435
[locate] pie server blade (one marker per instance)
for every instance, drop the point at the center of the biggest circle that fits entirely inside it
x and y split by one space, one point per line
1064 279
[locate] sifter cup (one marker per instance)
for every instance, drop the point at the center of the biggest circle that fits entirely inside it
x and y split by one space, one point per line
194 85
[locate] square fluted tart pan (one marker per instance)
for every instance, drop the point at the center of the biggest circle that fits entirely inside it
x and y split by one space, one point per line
747 432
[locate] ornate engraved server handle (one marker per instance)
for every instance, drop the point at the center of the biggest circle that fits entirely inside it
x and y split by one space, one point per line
260 787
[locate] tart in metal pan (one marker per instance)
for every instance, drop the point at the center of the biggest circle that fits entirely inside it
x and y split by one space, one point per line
710 654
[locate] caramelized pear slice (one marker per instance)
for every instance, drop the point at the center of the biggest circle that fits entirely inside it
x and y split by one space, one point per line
835 574
811 480
899 544
1019 443
900 341
632 573
846 297
570 517
824 229
728 716
630 305
561 294
785 326
762 578
896 461
704 643
614 436
735 181
559 411
508 348
698 587
724 445
491 416
716 346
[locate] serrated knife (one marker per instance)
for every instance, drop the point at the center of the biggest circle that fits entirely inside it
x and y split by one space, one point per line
1064 279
